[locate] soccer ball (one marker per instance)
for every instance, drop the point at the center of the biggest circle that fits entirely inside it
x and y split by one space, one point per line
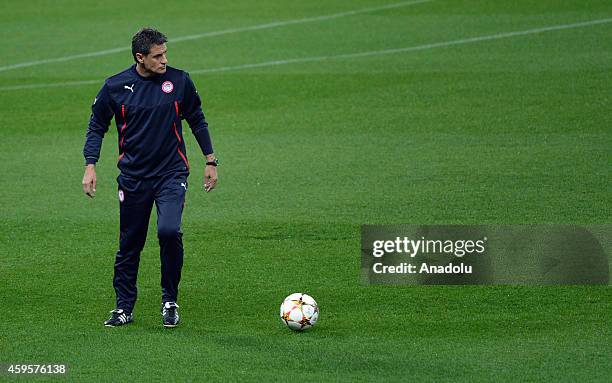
299 311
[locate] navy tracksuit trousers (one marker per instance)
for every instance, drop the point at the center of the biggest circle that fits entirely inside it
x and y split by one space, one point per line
136 198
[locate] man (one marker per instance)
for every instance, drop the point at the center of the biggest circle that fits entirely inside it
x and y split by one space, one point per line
148 101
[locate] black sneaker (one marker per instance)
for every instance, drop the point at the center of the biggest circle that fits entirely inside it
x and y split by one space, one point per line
170 314
118 317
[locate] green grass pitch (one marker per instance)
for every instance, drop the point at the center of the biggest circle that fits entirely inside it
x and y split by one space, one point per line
507 130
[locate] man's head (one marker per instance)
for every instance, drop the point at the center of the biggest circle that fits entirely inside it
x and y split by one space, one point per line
149 51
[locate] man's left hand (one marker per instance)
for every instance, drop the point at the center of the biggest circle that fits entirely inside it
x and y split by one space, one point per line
210 177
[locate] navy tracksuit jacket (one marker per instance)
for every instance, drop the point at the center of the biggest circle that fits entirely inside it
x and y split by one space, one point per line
153 164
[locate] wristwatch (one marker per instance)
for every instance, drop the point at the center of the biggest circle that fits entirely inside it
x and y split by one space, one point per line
214 162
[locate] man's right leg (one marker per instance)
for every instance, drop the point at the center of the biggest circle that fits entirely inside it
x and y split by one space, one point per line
135 203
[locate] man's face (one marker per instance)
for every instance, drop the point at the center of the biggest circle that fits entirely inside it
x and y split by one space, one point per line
154 62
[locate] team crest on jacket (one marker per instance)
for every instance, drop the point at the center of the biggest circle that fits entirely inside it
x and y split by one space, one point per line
121 196
167 87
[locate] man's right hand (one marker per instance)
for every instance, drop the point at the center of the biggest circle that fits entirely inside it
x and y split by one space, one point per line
89 181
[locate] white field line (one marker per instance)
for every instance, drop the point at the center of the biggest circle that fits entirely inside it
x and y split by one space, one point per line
350 55
51 85
407 49
275 24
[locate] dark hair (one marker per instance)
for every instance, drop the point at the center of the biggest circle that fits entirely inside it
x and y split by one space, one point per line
144 39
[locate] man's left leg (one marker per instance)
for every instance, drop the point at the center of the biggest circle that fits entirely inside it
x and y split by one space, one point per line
169 200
